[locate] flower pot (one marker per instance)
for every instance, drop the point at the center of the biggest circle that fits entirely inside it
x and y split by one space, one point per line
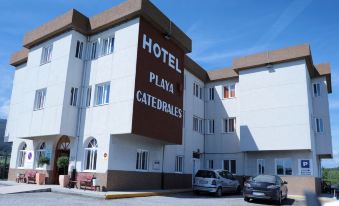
63 180
40 178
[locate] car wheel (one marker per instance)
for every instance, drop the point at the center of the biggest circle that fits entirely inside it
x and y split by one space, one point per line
196 192
279 200
246 199
219 192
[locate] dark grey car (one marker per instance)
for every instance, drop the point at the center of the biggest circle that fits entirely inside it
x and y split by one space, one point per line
270 187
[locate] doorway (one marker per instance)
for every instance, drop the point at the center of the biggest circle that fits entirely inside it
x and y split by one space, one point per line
62 149
196 167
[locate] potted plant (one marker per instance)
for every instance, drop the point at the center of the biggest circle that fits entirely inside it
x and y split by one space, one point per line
40 177
62 164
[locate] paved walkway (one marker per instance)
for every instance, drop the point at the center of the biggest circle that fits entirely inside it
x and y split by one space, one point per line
11 187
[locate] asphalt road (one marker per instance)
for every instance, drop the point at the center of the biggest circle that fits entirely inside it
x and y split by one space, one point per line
184 199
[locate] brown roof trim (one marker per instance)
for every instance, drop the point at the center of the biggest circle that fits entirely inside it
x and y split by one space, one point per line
222 74
111 17
276 56
195 69
325 70
70 20
19 57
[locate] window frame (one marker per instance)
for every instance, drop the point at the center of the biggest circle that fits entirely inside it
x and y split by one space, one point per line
229 86
79 49
140 160
319 125
261 166
211 93
210 126
179 164
316 89
38 154
227 122
92 153
88 96
229 165
107 49
209 164
21 159
284 160
40 101
74 96
199 124
104 99
46 54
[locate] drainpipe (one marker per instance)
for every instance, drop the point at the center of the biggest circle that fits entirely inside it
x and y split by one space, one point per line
81 94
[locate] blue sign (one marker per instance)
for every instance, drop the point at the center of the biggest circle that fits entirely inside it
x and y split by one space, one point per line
305 164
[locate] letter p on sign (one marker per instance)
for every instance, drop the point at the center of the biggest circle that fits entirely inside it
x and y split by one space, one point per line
305 163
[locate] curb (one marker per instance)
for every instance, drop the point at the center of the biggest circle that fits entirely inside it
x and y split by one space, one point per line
144 194
321 199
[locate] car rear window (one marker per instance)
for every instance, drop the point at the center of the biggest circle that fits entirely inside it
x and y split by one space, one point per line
264 178
205 174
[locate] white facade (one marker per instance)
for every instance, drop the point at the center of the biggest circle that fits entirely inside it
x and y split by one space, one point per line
270 115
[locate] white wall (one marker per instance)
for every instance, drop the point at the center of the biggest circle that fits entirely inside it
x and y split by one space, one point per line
274 108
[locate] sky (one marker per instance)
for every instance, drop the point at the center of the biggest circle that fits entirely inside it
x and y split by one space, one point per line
220 30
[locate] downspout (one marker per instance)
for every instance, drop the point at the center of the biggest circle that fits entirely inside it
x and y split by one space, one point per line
162 168
81 92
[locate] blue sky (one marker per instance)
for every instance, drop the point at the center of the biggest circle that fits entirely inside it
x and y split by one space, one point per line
220 30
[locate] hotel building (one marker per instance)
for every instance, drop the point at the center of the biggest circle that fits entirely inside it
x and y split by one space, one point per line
119 96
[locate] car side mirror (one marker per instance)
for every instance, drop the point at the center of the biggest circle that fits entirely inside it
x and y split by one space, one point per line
284 182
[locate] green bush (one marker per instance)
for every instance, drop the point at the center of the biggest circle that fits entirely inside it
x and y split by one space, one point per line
43 160
62 163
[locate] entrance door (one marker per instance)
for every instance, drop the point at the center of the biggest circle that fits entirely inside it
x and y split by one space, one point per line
62 149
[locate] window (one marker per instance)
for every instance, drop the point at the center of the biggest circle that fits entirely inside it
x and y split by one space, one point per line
319 126
40 97
40 152
102 94
78 50
22 155
211 94
88 96
197 90
94 50
283 166
142 160
74 96
91 153
316 89
229 125
179 164
107 46
261 166
231 166
229 91
46 54
197 124
210 164
210 126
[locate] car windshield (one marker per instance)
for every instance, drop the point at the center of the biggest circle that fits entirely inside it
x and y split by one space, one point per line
205 174
264 178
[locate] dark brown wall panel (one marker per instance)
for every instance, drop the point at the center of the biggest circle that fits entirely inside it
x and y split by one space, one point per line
149 121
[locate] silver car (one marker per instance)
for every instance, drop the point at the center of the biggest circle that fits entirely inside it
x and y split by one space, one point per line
215 181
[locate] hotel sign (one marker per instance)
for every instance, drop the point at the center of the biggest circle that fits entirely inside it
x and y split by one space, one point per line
158 96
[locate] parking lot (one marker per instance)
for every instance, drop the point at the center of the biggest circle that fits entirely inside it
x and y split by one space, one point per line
184 199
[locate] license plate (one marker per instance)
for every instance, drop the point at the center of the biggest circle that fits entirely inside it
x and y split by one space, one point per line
203 182
258 194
